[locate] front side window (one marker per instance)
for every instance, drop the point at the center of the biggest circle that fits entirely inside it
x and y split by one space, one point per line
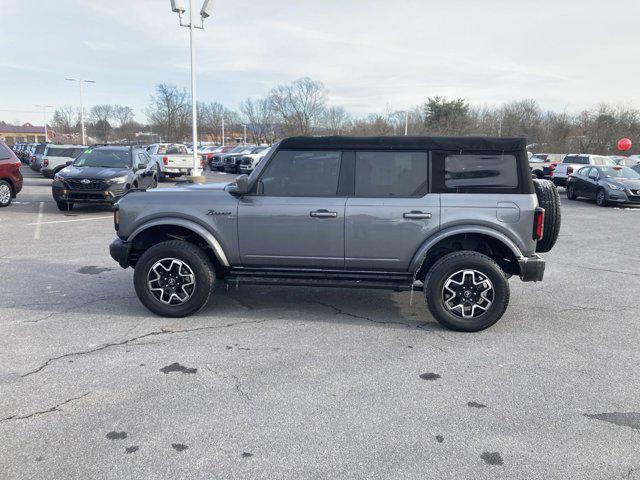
391 174
301 174
481 171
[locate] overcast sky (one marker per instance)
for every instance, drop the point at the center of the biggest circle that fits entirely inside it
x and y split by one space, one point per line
370 54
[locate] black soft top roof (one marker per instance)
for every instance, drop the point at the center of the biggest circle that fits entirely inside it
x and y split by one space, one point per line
489 144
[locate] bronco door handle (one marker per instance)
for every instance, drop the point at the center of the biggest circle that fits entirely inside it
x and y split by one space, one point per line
416 215
323 214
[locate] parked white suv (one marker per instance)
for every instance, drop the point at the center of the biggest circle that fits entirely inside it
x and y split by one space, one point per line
572 162
56 157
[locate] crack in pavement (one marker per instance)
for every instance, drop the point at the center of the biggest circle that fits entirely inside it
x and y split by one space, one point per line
55 408
339 311
73 307
133 339
599 269
236 381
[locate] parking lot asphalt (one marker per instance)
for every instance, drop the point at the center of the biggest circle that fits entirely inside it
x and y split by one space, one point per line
275 382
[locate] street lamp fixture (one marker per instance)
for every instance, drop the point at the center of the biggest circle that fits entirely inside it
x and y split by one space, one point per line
80 82
179 7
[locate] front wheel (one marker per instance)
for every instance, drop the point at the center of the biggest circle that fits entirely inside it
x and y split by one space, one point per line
64 206
601 198
466 291
174 279
6 194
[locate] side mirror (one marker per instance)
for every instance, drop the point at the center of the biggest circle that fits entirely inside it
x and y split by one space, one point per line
70 162
241 187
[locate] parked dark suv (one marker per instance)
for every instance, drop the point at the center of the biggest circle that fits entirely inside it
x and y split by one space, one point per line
455 217
10 176
102 175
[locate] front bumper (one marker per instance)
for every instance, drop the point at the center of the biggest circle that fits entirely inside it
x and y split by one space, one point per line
531 268
119 251
623 197
107 196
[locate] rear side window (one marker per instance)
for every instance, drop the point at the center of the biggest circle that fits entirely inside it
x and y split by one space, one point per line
5 154
301 174
584 171
391 174
40 149
469 171
57 152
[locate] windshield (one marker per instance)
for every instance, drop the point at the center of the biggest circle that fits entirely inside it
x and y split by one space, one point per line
620 172
236 150
104 158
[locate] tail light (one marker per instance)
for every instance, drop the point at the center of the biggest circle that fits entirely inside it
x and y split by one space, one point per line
569 170
165 160
202 162
33 158
538 223
45 162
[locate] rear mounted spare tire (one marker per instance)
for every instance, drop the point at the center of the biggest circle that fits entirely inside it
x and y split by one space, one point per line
548 199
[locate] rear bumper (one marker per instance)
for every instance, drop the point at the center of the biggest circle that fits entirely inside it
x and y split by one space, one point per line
531 268
119 251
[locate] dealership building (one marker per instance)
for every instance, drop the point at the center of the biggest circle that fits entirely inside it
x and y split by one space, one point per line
11 134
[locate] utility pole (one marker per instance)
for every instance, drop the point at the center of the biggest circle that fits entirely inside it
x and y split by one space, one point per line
223 130
80 82
44 112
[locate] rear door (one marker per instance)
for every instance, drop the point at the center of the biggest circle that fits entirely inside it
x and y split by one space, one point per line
391 212
295 216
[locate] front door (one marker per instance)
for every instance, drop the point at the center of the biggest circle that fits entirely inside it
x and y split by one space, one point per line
295 216
390 214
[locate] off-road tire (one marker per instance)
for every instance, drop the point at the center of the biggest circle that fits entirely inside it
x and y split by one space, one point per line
64 206
462 260
197 261
549 199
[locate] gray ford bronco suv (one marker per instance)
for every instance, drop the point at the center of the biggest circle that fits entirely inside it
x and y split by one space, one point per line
454 217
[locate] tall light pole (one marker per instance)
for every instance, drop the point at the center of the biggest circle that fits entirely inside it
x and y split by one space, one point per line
80 82
406 123
178 6
223 130
44 112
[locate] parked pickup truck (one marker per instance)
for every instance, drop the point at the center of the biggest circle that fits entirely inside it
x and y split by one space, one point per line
573 162
173 159
543 163
454 217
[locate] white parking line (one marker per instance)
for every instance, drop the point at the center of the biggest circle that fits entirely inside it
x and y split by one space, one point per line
38 224
68 221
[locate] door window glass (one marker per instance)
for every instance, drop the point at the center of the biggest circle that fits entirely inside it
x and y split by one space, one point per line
301 174
391 174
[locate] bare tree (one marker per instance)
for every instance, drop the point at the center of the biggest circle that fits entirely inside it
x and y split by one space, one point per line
66 119
169 112
299 107
259 116
123 114
336 120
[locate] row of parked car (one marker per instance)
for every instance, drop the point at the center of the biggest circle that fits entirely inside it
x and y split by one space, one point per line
607 180
102 174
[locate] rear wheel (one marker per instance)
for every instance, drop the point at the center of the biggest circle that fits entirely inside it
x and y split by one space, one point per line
174 279
571 192
466 291
6 194
64 206
549 199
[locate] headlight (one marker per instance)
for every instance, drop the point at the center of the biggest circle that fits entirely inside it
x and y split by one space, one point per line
119 180
614 187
